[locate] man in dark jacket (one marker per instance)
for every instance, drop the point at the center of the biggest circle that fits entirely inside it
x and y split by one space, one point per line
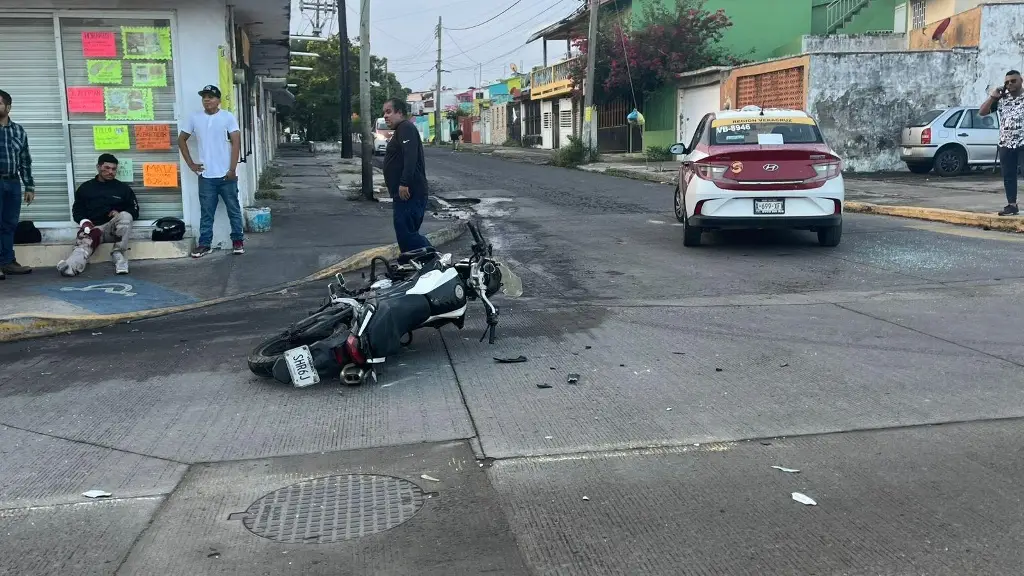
405 174
105 209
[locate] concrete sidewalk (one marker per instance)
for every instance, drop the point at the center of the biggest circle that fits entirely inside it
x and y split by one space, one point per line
316 230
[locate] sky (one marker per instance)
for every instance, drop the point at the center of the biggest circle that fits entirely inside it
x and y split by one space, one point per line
406 36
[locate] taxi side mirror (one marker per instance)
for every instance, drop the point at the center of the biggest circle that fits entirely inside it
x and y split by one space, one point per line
678 149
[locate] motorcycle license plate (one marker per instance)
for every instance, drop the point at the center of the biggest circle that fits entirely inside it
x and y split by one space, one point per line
300 366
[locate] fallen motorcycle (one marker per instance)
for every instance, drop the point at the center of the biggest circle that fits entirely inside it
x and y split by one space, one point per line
356 330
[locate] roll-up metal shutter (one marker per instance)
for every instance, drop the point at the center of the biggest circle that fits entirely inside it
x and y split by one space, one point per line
154 202
31 76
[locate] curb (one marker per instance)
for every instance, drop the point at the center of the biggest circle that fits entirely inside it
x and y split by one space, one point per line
26 326
975 219
655 177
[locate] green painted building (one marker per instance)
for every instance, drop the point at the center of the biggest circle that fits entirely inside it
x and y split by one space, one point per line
764 29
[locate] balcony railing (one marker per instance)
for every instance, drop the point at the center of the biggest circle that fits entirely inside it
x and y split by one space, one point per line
551 81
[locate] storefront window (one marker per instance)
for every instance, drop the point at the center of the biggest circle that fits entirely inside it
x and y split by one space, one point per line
31 76
120 95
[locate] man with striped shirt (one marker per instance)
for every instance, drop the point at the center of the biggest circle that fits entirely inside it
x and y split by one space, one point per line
15 168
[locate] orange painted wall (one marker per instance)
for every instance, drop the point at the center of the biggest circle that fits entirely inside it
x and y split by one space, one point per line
964 30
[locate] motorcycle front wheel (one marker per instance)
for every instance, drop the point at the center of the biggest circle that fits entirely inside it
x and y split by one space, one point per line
306 332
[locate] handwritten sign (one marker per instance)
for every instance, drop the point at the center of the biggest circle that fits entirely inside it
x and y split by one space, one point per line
110 137
152 137
99 45
125 170
104 71
85 100
160 175
149 75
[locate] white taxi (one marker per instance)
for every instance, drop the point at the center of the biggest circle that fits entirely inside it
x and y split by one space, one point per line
759 168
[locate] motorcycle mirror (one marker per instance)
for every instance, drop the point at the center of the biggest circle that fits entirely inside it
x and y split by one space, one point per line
446 259
340 278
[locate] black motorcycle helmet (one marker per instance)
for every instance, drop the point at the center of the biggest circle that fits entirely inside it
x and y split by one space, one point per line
168 230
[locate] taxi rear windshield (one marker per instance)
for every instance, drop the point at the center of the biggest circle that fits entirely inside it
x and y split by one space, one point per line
765 131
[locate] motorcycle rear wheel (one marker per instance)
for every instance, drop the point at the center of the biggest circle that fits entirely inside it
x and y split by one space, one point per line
305 332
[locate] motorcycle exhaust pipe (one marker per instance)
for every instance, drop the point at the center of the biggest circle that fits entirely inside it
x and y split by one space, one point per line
352 375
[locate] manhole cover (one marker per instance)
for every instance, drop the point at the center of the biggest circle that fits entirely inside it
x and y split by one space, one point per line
333 508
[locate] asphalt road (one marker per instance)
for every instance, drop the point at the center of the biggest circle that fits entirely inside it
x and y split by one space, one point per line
887 371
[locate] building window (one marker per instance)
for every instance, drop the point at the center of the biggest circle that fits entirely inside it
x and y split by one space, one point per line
107 85
917 16
130 63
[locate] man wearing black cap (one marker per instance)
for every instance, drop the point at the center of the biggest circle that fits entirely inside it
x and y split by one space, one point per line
219 147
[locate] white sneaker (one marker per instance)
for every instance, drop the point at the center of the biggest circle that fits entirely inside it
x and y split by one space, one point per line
120 263
64 269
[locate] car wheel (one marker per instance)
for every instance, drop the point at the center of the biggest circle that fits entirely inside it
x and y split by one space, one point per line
920 167
677 205
951 162
830 236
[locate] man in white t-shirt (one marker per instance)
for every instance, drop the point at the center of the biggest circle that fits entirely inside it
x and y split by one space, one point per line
219 145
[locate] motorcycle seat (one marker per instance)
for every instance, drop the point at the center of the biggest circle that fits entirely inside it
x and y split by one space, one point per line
418 254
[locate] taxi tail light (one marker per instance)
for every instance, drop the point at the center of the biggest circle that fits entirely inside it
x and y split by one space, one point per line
826 170
712 172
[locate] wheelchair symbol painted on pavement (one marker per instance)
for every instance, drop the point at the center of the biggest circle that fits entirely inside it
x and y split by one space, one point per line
115 288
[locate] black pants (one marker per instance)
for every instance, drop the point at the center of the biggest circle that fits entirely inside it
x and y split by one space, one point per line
1009 160
408 217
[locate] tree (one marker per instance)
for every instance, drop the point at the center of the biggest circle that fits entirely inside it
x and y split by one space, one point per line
317 98
643 58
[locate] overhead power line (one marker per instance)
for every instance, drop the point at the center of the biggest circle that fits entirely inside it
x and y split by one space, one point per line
486 21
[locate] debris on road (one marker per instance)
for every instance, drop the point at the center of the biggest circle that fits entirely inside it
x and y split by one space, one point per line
428 477
543 385
668 409
784 365
718 370
804 499
573 379
549 437
515 360
788 470
97 494
97 333
586 499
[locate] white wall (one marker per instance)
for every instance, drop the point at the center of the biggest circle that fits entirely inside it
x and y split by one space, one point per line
1000 49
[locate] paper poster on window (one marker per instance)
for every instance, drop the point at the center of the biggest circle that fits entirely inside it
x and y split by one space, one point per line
152 137
99 45
110 137
149 74
227 81
160 175
125 170
146 43
128 103
104 71
85 100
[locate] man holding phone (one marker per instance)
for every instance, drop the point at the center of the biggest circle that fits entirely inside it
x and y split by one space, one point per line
1009 100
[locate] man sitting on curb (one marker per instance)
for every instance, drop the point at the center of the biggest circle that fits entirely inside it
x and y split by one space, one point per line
105 208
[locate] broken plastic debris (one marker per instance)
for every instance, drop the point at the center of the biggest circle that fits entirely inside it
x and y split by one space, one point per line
668 409
789 470
573 378
97 333
428 477
543 385
804 499
515 360
718 369
586 498
97 494
784 365
548 437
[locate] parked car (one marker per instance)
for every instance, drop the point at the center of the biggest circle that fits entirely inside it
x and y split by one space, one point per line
759 168
950 141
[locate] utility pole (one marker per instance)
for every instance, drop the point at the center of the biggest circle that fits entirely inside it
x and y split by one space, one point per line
590 134
437 98
364 97
344 83
387 82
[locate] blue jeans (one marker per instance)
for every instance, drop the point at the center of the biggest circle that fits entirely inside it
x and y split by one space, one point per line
10 212
210 190
408 217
